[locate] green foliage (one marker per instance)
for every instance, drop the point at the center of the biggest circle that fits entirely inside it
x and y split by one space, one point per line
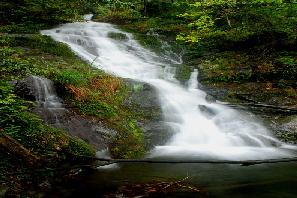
227 67
129 143
79 148
282 83
117 4
116 12
10 105
42 11
45 44
26 28
234 21
96 108
287 60
15 65
71 77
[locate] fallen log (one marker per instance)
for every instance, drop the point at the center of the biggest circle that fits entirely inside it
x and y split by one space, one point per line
14 148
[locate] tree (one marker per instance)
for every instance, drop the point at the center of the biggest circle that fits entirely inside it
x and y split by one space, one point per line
239 20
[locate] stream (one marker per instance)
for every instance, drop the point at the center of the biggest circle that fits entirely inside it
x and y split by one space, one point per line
200 129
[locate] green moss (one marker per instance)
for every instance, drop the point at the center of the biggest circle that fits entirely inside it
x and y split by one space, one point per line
72 77
43 44
96 108
183 73
24 28
226 67
151 42
80 148
129 143
117 36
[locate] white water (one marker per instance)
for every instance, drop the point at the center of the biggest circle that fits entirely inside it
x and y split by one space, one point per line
50 106
45 93
200 129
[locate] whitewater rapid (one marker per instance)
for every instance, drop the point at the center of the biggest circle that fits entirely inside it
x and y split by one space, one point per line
200 129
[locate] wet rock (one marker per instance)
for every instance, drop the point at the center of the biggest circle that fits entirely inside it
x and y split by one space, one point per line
156 133
144 97
286 130
118 36
52 110
207 111
91 131
218 94
26 88
210 98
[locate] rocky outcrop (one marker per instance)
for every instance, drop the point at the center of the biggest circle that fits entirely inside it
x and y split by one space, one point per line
25 88
144 97
285 128
52 110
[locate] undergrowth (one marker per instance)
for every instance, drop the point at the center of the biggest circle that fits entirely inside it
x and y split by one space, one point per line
87 90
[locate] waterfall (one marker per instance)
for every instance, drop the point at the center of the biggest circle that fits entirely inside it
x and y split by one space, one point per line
45 93
200 129
49 105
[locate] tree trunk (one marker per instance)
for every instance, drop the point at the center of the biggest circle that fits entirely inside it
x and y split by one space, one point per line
11 146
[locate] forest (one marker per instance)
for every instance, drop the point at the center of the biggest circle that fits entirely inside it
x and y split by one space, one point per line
70 94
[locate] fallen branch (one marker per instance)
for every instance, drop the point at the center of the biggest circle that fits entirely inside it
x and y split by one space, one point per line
253 103
189 187
113 161
261 105
239 162
11 146
176 183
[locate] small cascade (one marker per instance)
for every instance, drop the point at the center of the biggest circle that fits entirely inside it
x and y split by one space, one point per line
45 93
49 105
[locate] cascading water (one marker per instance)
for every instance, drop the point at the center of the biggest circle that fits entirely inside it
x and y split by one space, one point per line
50 106
45 93
201 129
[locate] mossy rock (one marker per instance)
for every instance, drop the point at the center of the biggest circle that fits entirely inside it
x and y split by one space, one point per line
118 36
183 73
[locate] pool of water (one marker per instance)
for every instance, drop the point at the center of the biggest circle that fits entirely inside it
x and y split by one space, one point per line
265 180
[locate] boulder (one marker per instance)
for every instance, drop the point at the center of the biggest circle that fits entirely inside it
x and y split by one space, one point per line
91 131
25 88
144 98
207 111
